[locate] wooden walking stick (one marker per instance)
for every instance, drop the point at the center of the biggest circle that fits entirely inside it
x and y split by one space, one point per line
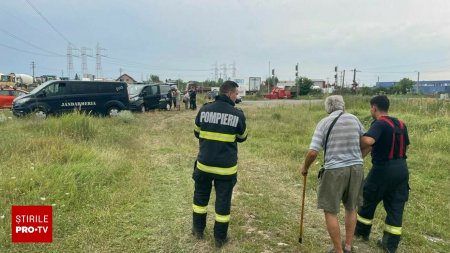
303 209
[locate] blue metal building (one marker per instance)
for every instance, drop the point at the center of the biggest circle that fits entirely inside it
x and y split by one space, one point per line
425 87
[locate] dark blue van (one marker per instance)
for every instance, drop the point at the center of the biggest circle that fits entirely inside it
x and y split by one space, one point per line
59 96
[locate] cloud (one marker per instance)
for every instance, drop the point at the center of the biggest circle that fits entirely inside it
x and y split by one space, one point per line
182 34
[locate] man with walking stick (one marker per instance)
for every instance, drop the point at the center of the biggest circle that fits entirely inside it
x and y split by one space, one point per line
341 177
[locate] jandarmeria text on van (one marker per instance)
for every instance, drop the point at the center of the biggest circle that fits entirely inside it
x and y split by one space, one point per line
77 103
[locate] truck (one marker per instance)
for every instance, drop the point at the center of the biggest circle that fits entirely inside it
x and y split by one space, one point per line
279 93
15 80
254 84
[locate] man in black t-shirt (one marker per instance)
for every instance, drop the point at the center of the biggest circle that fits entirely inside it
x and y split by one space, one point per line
387 181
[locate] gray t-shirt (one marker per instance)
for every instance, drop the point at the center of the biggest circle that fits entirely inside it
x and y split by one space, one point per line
343 148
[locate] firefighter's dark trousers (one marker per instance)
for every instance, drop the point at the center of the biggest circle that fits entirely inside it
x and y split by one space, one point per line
387 183
224 189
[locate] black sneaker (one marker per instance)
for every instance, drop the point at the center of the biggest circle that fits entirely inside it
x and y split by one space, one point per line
198 235
220 242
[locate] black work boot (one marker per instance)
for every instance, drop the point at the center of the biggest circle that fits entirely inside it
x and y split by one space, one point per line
197 234
220 233
220 242
198 225
362 231
389 242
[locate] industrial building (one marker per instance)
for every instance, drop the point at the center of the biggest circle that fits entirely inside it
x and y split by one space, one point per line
425 87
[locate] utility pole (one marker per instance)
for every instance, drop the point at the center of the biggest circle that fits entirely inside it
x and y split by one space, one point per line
273 78
233 70
268 83
70 56
84 56
69 60
98 54
354 84
224 69
343 79
418 74
32 67
335 76
296 79
216 72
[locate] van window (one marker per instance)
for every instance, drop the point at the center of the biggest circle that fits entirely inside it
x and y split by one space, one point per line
147 90
154 89
165 89
84 88
56 89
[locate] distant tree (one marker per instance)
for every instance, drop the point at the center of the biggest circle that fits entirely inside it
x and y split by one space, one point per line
154 79
380 90
180 84
219 82
367 91
304 85
272 81
76 77
209 83
404 86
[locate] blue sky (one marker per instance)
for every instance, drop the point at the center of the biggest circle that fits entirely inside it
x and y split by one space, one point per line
183 39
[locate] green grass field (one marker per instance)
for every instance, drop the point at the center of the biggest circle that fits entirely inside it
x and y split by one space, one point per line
124 184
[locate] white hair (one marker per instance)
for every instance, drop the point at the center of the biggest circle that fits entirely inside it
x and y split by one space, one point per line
334 103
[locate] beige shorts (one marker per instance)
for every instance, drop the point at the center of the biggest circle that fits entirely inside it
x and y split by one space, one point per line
342 184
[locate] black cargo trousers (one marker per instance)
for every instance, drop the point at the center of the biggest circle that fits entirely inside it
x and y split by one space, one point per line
387 183
224 189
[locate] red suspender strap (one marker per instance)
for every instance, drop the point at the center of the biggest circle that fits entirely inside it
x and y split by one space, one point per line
402 140
391 153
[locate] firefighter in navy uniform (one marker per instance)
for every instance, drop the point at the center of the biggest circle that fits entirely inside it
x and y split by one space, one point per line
218 126
387 181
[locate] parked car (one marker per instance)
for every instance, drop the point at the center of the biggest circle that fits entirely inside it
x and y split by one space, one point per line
144 97
58 96
7 95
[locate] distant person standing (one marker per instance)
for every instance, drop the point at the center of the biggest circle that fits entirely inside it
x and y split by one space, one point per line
186 100
169 98
388 179
219 126
193 98
175 96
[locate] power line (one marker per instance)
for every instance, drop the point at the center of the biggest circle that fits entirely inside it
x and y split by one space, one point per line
28 43
48 22
28 52
141 65
388 72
